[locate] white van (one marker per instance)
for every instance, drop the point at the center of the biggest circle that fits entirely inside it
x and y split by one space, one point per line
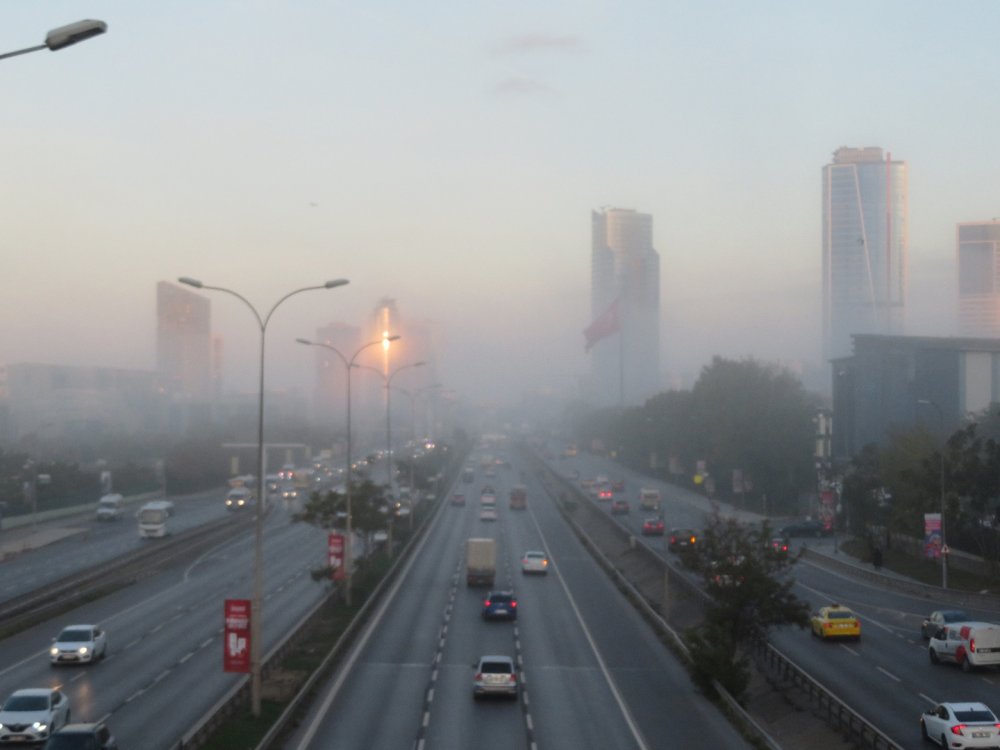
968 644
649 499
110 508
154 519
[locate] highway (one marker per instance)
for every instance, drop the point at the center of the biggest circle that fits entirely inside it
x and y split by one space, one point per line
886 676
164 668
593 673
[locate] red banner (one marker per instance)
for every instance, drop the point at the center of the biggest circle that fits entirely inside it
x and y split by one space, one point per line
336 547
606 324
236 638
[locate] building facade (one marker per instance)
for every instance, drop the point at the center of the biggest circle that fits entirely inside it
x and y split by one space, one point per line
184 346
865 247
897 382
625 294
978 256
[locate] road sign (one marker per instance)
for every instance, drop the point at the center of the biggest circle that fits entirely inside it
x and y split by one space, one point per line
236 636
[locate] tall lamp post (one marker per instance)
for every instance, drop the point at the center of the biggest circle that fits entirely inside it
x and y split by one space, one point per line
256 629
387 383
944 543
64 36
349 365
413 421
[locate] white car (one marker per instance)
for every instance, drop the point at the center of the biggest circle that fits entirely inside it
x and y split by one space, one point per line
495 675
31 715
79 644
961 725
488 514
535 561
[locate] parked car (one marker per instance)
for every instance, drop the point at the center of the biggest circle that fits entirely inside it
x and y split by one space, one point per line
79 644
653 527
94 736
961 725
495 675
807 527
938 619
835 621
30 715
681 539
535 561
619 506
500 605
968 644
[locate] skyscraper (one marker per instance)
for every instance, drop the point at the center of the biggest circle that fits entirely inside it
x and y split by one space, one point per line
978 245
865 246
624 338
184 343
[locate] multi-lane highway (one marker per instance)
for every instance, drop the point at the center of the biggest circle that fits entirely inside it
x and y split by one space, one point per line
886 676
594 675
164 665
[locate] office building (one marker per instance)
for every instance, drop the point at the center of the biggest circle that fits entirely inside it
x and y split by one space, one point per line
184 343
623 339
865 247
978 246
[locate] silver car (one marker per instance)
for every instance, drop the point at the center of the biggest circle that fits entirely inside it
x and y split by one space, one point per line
495 675
32 714
79 644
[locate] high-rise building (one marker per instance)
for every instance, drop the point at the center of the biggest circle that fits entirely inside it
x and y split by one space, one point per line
624 338
978 246
184 343
865 246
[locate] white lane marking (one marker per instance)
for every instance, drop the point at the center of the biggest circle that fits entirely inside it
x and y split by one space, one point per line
928 699
186 656
848 648
527 720
427 719
626 714
430 695
890 675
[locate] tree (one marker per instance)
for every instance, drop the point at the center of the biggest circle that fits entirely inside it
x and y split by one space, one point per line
751 589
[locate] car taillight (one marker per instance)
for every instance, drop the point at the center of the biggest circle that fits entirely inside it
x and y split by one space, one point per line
957 729
513 604
693 540
486 603
673 540
512 678
479 676
972 645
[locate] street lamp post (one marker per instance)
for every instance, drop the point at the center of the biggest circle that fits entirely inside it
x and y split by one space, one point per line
944 543
64 36
256 629
413 421
349 365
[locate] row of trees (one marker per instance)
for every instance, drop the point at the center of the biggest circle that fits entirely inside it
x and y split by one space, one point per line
740 415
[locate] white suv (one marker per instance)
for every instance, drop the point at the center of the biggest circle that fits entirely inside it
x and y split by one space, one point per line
495 675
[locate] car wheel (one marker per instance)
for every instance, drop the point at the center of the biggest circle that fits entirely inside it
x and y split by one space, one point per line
934 657
923 731
944 741
966 665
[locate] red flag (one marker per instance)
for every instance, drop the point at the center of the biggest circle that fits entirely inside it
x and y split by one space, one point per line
608 323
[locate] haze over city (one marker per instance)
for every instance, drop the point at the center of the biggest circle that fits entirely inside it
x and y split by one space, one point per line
449 156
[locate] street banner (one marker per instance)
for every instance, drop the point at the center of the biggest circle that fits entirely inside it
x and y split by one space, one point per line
606 324
236 636
932 535
336 547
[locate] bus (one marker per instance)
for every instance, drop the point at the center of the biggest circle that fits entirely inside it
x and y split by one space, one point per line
154 519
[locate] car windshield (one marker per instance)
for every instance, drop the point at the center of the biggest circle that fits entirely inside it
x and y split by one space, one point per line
74 635
26 703
840 615
954 616
975 715
495 667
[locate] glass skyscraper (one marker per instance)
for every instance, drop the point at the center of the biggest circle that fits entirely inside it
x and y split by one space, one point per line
979 279
625 276
865 246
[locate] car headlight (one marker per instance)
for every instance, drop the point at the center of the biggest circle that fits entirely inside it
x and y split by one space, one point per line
40 726
83 650
54 651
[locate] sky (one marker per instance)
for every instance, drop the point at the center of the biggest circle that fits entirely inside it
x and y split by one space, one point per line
448 155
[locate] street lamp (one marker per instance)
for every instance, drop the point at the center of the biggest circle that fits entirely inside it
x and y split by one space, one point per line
256 630
64 36
349 365
413 421
944 543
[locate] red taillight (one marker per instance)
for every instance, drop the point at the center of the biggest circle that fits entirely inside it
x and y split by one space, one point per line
972 645
512 678
513 604
479 676
957 729
486 603
673 540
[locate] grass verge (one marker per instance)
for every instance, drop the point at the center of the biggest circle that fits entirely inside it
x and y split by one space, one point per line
925 571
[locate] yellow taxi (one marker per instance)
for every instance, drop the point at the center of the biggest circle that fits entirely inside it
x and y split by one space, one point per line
835 621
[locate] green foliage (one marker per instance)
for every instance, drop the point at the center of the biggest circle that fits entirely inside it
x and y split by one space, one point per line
714 657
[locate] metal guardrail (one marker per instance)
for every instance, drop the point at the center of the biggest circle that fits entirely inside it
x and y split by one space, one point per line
834 711
831 709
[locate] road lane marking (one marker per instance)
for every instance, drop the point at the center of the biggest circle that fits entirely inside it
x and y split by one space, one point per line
928 699
890 675
848 648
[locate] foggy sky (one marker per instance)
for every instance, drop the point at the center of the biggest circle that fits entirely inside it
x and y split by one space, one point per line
449 155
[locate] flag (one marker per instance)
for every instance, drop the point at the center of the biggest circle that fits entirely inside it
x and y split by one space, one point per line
608 323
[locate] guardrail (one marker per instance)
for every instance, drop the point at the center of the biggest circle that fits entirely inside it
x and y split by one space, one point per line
834 711
831 709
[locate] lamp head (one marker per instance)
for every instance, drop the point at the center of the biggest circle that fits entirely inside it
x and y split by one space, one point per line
335 283
190 282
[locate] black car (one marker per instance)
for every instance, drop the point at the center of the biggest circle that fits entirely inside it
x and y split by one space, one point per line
808 527
681 539
94 736
500 605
